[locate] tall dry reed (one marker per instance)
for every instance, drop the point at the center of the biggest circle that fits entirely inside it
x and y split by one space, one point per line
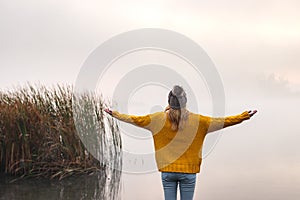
38 136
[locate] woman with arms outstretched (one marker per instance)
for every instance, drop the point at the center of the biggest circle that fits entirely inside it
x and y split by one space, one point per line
178 136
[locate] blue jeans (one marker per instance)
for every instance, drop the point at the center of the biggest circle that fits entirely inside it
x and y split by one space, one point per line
170 181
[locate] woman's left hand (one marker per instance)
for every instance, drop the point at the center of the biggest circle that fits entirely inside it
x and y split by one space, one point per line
107 110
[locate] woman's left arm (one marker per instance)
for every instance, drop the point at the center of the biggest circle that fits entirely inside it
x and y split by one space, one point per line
141 121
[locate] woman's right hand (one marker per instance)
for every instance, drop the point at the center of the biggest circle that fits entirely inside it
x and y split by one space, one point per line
252 112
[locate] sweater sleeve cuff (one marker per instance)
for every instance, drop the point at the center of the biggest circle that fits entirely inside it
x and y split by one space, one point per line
245 115
116 114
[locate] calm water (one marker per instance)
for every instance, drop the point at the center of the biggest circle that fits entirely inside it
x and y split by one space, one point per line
96 186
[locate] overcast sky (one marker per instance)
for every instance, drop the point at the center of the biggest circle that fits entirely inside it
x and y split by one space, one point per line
255 46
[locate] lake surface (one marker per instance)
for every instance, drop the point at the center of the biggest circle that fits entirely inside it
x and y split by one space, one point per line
96 186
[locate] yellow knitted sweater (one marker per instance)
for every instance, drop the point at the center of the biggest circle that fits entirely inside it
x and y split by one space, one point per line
180 151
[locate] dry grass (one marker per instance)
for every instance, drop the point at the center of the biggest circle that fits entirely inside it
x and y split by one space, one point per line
38 137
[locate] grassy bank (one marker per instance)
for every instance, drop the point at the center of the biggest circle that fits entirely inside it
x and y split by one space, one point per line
38 136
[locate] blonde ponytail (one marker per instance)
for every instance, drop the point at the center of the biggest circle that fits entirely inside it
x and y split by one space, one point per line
177 117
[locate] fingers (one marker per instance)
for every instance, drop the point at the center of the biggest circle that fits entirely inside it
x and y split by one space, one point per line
251 113
108 111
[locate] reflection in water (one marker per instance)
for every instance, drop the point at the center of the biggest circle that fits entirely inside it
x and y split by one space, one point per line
97 186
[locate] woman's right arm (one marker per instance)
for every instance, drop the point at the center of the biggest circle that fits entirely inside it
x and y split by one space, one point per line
217 123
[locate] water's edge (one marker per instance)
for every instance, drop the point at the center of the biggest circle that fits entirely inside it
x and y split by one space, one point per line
95 186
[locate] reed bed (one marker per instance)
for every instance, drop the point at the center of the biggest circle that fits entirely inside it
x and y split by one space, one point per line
41 137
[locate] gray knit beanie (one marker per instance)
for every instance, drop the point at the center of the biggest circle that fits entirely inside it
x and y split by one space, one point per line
177 98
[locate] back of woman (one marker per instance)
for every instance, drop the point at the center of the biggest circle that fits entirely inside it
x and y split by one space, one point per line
178 137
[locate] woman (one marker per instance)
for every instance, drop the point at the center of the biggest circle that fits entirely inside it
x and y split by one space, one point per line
178 138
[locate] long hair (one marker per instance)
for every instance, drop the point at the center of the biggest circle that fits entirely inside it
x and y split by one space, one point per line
177 117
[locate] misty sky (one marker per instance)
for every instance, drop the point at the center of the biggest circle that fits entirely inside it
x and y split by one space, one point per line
255 46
